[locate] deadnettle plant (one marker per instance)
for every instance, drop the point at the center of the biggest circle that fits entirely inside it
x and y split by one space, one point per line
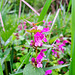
58 49
39 38
38 60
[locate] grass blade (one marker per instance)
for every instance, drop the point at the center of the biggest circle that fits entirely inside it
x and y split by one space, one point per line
70 3
56 67
72 67
44 10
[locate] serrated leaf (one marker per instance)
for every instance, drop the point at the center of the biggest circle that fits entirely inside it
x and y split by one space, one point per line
30 70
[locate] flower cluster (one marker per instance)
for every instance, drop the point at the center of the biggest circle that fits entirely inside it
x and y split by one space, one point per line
39 58
20 27
39 38
58 48
38 61
60 62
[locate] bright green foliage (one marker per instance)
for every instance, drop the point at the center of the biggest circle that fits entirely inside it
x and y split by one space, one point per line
30 70
10 26
69 6
44 10
72 67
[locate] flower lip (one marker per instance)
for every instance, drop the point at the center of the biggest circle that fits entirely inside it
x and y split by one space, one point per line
48 72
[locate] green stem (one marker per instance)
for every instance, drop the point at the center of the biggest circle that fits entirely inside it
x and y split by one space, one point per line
6 69
36 51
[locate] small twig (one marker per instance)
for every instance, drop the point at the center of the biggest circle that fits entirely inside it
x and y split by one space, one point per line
54 22
28 21
20 8
2 22
31 7
55 19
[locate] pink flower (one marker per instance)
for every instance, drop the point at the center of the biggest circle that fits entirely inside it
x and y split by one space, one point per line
33 60
44 22
32 43
45 30
48 72
45 40
61 47
54 53
65 41
20 27
39 65
25 27
49 22
60 62
41 53
57 41
39 58
38 38
24 23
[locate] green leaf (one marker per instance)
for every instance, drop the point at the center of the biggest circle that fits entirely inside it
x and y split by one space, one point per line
21 73
72 67
6 52
25 60
54 73
10 27
1 71
70 3
56 67
44 10
30 70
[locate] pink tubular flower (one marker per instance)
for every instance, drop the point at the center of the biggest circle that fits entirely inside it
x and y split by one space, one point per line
45 30
57 41
64 42
39 65
48 72
49 22
25 27
33 60
44 22
39 58
60 62
54 53
24 23
20 27
32 43
38 38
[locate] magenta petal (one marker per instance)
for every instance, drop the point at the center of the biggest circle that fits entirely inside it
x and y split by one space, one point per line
39 57
53 51
33 60
48 72
42 50
45 40
39 65
57 41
